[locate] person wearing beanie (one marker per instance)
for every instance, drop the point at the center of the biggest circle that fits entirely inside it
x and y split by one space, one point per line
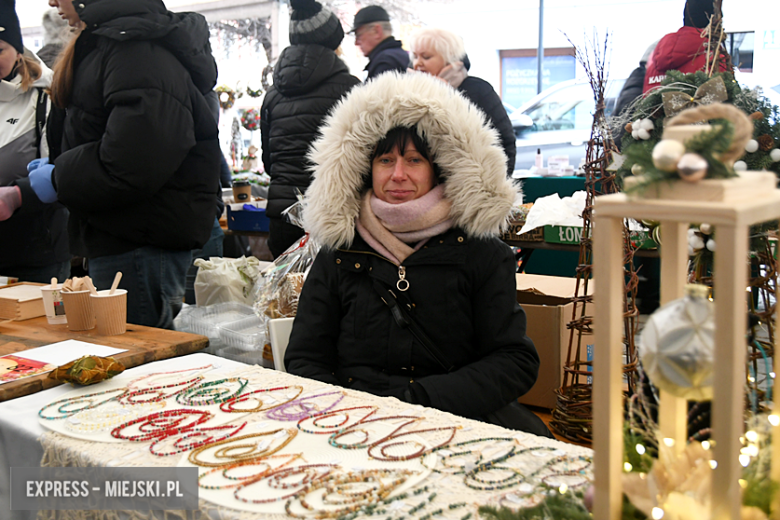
137 161
56 34
686 49
34 233
309 78
374 36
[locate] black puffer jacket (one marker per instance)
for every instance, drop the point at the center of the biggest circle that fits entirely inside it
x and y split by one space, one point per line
308 81
479 92
140 156
344 334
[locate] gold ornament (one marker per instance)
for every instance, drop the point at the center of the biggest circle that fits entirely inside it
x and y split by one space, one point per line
692 167
667 153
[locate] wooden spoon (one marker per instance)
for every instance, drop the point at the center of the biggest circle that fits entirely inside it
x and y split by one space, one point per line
116 282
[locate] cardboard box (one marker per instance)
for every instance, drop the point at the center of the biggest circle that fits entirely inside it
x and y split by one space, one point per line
239 219
548 305
535 235
21 301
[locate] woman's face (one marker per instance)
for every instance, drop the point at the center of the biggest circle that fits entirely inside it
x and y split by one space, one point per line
8 58
426 59
66 11
400 178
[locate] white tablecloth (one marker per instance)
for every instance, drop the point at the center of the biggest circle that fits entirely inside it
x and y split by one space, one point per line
23 439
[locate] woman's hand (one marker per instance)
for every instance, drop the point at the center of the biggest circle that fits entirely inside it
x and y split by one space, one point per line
40 179
10 201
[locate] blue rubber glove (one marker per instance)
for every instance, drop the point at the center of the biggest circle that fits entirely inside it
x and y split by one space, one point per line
37 163
40 182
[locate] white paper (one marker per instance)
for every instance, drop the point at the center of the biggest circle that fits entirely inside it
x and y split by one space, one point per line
555 211
67 351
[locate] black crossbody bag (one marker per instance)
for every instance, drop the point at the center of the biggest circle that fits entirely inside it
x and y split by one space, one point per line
400 312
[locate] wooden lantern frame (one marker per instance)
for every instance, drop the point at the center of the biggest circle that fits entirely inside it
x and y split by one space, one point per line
745 201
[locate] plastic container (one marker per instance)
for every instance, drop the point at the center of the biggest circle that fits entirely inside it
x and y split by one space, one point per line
247 334
208 320
242 356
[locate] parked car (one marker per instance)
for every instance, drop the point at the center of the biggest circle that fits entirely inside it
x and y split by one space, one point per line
558 121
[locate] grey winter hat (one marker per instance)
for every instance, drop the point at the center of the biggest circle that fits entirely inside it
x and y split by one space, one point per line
10 32
369 14
311 22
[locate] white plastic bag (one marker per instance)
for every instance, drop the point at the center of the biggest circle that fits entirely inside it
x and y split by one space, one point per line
226 280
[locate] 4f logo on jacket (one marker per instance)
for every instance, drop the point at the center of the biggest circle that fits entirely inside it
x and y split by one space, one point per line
13 120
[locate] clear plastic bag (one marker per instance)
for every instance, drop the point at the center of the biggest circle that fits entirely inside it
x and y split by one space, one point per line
280 286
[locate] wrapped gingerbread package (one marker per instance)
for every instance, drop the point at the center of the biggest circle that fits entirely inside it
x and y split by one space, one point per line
87 370
280 284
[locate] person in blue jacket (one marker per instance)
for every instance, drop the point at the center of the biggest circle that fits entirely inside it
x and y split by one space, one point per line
374 36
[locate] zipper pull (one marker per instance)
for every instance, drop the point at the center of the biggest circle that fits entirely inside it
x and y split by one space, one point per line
402 284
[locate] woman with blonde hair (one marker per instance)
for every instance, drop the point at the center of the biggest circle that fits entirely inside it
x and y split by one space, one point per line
35 235
441 53
138 160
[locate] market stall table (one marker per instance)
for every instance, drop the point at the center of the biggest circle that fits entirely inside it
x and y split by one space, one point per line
141 345
537 459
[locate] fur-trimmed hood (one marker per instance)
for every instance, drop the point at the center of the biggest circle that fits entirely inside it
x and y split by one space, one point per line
466 149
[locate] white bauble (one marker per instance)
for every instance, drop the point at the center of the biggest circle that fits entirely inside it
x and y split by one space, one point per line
740 166
637 169
667 153
775 155
711 245
705 228
647 124
751 146
692 167
643 134
677 346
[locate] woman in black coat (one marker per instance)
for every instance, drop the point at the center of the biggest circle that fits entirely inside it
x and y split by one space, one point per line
441 53
413 295
309 79
137 161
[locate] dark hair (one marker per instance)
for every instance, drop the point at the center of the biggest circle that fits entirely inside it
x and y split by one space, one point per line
400 137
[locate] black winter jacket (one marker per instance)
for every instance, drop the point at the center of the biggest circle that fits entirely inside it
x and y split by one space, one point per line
140 155
344 334
387 55
481 93
308 81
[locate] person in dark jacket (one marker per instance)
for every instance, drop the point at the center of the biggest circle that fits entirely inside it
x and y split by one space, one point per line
632 89
34 234
139 161
441 53
407 199
686 49
309 79
374 36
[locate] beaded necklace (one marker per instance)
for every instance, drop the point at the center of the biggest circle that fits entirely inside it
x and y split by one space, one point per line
229 406
306 474
158 393
342 416
451 454
348 493
253 477
420 450
364 443
85 402
287 412
108 416
254 450
162 424
186 440
210 392
134 384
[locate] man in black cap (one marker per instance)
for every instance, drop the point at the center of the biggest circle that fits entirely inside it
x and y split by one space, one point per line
374 36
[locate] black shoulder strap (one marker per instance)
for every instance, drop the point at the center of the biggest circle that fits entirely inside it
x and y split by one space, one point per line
40 121
405 320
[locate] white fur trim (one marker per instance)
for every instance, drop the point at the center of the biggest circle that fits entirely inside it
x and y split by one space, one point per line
466 149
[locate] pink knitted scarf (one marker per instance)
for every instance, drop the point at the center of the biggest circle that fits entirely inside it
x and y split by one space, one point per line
390 228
